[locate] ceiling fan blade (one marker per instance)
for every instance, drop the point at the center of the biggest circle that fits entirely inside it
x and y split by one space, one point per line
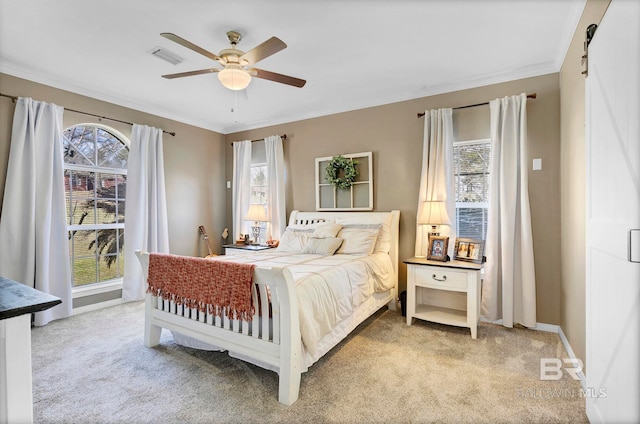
271 46
272 76
191 73
189 45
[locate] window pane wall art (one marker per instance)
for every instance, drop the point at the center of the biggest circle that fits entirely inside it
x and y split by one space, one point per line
344 182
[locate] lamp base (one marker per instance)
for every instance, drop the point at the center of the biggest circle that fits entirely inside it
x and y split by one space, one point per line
255 230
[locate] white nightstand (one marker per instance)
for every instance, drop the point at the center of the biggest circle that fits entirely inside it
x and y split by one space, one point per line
444 292
230 249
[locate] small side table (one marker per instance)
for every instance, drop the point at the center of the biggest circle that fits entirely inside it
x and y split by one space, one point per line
230 249
17 303
444 292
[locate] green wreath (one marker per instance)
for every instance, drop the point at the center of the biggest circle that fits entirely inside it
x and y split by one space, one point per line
341 172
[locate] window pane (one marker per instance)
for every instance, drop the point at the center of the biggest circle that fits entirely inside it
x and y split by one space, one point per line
120 211
111 152
83 260
81 138
72 155
80 197
471 222
471 171
108 248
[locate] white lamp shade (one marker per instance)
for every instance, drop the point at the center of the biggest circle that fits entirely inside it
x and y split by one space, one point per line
434 213
256 213
234 77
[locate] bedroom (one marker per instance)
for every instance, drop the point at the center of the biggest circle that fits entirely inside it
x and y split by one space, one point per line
198 162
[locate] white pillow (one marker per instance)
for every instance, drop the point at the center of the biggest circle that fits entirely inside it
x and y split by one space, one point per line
383 243
293 241
327 230
322 246
358 240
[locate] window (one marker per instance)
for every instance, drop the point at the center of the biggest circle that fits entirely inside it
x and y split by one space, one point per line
95 177
471 163
259 183
259 189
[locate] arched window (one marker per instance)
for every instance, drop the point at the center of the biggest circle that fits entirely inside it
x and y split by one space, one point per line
95 178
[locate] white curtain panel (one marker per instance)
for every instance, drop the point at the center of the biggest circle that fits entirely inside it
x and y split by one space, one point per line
275 178
241 186
146 225
33 233
509 287
436 181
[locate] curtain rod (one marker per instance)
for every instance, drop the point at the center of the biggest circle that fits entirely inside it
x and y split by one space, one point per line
529 96
14 98
283 136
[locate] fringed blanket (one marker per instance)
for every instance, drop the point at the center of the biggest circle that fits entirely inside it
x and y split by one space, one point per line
210 286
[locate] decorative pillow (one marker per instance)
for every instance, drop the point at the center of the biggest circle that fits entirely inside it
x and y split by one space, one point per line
327 230
322 246
294 240
358 240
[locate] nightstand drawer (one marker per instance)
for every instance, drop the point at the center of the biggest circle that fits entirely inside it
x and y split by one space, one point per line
440 277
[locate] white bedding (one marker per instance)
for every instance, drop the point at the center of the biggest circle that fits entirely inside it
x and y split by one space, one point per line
328 288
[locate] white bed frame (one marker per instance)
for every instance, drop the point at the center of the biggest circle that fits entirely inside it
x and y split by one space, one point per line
273 343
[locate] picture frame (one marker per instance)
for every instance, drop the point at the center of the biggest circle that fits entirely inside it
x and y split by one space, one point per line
470 250
438 246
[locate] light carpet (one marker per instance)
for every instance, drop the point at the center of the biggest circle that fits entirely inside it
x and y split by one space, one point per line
94 368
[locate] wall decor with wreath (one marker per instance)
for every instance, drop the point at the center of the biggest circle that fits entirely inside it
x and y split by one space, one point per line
344 182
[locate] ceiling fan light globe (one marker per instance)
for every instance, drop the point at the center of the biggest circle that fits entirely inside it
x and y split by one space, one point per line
234 78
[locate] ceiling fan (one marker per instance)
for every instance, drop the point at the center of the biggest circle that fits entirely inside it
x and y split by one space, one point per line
237 65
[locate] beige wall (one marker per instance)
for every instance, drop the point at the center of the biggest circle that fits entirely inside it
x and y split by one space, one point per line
394 135
198 162
572 164
194 171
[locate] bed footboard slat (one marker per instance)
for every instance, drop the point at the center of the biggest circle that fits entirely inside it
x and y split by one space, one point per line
275 314
255 322
264 312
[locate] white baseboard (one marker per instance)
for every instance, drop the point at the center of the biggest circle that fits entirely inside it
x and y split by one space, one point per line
552 328
567 346
96 306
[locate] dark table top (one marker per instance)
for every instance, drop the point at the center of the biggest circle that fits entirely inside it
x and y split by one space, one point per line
17 299
248 246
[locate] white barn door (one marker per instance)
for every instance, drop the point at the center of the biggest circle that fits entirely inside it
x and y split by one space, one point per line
613 210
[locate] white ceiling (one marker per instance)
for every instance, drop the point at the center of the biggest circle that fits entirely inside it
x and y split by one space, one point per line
353 53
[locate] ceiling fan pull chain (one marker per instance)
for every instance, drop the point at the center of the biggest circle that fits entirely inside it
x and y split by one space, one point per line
235 106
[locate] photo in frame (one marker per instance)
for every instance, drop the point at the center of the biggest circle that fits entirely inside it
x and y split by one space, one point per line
438 246
470 250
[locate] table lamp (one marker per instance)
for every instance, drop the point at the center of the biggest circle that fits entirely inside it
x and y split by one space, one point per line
257 214
434 214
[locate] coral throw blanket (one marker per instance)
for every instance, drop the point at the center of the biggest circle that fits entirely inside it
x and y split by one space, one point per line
209 285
